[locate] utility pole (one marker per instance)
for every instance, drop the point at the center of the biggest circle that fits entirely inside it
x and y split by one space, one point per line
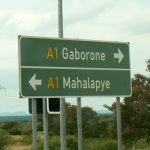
62 100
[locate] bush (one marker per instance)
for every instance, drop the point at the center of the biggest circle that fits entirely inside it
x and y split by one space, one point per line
26 140
100 144
27 130
109 145
40 145
72 142
13 127
54 143
4 139
15 131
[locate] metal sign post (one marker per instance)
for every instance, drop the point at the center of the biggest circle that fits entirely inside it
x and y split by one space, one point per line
79 121
119 130
34 124
63 124
62 100
45 123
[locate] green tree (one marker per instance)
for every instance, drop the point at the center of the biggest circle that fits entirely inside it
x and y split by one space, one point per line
54 124
148 65
71 114
27 129
4 139
12 127
135 111
93 124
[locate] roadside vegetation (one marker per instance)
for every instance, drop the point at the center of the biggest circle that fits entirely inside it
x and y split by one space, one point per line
99 130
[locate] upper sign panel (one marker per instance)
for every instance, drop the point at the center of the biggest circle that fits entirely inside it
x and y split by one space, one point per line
73 53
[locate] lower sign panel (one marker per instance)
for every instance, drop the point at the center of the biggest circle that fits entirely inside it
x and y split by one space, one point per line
46 82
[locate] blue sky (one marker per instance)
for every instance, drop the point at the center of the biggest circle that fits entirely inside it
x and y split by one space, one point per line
108 20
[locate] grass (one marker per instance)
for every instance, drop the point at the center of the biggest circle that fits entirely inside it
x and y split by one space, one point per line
25 143
100 144
19 147
22 142
19 142
142 145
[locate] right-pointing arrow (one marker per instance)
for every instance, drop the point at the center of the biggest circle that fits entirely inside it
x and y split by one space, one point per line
119 56
34 82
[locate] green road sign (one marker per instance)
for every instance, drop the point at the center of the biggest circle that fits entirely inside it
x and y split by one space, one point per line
73 53
62 67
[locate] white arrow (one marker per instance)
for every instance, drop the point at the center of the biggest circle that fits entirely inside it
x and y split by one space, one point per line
34 82
119 56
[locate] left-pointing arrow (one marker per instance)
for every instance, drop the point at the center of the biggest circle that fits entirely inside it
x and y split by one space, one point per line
34 82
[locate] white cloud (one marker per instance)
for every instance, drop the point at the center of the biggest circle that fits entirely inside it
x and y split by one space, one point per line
81 11
119 18
28 5
27 23
124 20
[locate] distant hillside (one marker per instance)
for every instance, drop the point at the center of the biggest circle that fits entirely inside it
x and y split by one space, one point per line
104 111
24 116
19 113
15 116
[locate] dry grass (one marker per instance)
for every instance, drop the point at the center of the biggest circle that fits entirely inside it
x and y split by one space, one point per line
19 147
16 137
18 143
21 142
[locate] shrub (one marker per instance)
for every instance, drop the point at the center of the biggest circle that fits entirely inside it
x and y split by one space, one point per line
26 140
54 143
13 127
4 139
72 142
100 144
40 145
109 145
27 130
15 131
